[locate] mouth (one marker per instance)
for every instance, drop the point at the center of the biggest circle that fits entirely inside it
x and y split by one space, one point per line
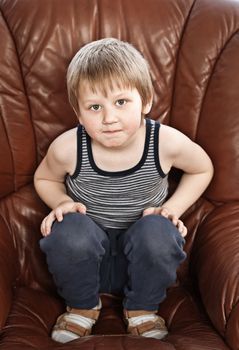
110 132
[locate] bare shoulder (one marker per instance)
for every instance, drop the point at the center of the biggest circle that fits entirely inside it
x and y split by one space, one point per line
178 150
63 150
171 138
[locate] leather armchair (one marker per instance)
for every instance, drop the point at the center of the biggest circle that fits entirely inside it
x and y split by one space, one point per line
193 50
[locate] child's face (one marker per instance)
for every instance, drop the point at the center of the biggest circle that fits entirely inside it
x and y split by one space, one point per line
111 119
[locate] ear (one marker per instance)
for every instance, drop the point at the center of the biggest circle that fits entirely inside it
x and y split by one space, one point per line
147 108
78 115
79 118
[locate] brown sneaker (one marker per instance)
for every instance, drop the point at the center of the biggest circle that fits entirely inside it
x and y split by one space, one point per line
145 324
75 323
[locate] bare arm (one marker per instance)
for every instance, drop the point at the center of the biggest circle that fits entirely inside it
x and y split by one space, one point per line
177 150
50 176
51 189
188 156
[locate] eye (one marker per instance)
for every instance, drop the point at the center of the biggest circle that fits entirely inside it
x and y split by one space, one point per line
121 102
95 108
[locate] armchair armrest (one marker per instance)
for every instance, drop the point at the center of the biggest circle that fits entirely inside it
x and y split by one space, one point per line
7 270
215 262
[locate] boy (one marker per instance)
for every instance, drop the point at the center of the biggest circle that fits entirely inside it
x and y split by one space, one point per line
112 228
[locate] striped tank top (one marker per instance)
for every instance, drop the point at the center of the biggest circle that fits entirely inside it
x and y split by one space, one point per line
117 199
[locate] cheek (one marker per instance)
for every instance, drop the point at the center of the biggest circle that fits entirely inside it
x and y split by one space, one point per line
133 126
90 126
91 131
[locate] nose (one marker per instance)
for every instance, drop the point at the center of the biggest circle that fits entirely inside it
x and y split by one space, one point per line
109 116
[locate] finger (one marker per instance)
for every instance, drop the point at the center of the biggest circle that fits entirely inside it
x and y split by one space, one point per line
149 211
175 220
44 228
58 214
48 227
164 212
182 229
81 208
48 221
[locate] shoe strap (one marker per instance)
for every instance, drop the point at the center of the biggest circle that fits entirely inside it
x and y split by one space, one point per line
93 314
72 327
147 326
136 313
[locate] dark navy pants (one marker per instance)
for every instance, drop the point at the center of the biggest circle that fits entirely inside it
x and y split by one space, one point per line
139 263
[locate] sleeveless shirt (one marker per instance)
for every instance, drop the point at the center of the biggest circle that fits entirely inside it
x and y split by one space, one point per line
117 199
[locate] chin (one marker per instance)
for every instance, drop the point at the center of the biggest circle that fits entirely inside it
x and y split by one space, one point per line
113 144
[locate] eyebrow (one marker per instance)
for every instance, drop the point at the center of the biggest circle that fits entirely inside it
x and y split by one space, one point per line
95 100
122 94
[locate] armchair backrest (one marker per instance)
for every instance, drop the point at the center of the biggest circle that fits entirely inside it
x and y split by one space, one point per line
192 50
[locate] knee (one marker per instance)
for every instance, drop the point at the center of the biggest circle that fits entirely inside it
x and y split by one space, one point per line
75 235
151 225
158 227
153 237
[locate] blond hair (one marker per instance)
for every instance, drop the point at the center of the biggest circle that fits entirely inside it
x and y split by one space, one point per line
106 62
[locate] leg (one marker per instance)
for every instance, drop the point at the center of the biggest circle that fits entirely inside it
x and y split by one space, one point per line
114 265
154 249
74 251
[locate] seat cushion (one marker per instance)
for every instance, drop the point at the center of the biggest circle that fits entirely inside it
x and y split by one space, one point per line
34 313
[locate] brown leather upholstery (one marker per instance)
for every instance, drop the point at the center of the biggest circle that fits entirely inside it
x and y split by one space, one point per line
193 50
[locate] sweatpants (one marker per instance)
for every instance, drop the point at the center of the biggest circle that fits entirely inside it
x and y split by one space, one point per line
139 263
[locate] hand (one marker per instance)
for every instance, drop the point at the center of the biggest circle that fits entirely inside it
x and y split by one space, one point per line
173 218
59 212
